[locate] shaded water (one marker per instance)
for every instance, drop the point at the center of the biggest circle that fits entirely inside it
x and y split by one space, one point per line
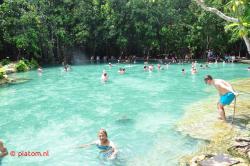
58 111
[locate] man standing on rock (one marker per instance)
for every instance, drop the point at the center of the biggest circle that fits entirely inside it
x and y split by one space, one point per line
226 91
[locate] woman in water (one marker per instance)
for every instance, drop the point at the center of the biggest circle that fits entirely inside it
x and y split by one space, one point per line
107 148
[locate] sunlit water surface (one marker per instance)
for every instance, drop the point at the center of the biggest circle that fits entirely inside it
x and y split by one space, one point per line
58 110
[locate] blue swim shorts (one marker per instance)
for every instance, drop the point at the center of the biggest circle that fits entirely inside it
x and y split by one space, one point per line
227 98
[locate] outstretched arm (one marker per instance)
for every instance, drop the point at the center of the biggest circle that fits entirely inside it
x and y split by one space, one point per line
87 145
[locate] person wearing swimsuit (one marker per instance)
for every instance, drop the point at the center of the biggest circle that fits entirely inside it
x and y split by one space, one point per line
107 148
226 92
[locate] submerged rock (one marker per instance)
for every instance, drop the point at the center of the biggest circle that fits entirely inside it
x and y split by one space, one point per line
216 160
13 81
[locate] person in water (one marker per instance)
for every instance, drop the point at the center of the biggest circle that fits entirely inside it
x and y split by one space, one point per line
151 67
107 148
159 67
226 92
3 150
110 64
122 71
193 70
104 76
40 70
183 71
145 68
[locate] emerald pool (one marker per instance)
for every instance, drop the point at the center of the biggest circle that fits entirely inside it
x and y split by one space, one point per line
58 110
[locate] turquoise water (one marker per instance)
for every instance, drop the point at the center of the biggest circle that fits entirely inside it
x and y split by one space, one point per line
57 111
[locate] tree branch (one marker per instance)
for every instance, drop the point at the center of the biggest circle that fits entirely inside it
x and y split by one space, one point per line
216 11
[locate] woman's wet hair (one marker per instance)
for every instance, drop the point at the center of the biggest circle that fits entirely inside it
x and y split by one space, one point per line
103 131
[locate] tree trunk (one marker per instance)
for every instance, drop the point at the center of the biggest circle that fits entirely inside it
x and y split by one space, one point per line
247 41
225 17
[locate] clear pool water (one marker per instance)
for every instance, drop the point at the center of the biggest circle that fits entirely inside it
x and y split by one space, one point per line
57 111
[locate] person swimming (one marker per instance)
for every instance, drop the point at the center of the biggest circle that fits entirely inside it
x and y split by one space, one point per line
110 64
183 71
122 71
39 70
107 148
151 67
159 67
104 76
248 68
193 70
3 150
145 68
226 92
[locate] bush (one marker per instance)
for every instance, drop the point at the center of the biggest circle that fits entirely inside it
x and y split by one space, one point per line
2 72
33 64
22 66
5 62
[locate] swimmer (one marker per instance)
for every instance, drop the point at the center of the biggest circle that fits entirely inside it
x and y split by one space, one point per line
159 67
145 68
3 150
104 76
122 71
65 68
107 148
110 64
248 69
40 70
226 92
193 70
193 64
151 67
183 71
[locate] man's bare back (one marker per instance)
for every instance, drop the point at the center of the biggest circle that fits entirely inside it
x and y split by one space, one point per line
222 86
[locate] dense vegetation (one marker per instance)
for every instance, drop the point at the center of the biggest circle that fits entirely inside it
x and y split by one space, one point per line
53 31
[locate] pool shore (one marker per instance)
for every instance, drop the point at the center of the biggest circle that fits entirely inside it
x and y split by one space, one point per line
200 122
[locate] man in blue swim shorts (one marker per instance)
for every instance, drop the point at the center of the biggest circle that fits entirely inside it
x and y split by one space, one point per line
226 91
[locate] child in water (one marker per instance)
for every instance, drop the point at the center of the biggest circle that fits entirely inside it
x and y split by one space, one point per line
107 148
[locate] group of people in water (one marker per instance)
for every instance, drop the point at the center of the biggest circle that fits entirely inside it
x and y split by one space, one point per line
108 149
